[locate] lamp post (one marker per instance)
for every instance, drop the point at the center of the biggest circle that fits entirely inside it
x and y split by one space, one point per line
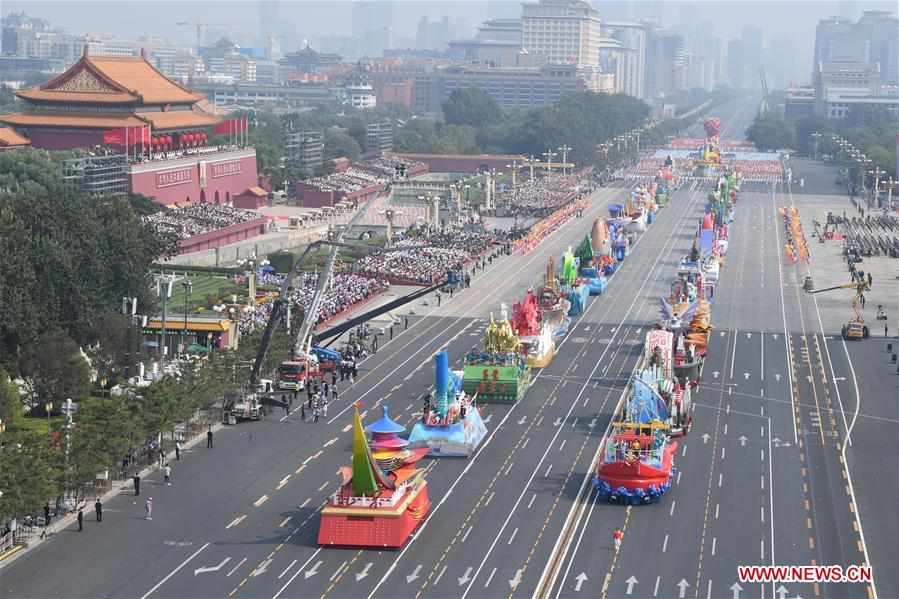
188 287
514 167
815 137
531 167
549 161
564 149
48 407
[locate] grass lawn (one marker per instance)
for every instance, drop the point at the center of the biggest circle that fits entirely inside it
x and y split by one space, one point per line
38 424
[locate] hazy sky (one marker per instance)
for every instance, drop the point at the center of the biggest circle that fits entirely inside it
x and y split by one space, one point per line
132 18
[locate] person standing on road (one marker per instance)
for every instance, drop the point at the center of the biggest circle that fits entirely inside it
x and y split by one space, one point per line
136 481
616 538
334 392
177 451
80 519
315 414
98 510
47 516
167 474
303 412
325 408
209 439
870 279
148 507
333 378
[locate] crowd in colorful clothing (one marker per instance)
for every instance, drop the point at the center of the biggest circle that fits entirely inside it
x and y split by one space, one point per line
539 195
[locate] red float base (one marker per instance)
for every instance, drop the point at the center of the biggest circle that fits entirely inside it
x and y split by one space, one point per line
374 527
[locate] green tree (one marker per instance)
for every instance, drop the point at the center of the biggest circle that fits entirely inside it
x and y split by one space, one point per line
771 132
339 144
10 402
807 126
470 106
104 430
30 472
54 369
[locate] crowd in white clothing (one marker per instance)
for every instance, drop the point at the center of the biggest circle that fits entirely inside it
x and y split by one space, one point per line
447 251
198 219
546 193
344 290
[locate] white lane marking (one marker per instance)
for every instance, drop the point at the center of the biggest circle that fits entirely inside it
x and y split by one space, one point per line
236 521
720 478
671 511
287 569
305 503
297 573
717 506
762 513
439 576
665 544
733 354
300 469
467 532
722 452
531 502
285 521
562 445
655 590
330 442
490 578
490 498
324 484
261 500
526 441
234 569
548 468
763 482
175 571
283 482
714 544
512 537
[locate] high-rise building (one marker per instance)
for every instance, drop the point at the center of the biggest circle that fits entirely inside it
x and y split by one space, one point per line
561 31
628 59
735 70
873 39
433 35
372 26
666 63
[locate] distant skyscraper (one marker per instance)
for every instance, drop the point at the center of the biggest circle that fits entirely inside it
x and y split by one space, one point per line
373 26
503 9
268 20
561 31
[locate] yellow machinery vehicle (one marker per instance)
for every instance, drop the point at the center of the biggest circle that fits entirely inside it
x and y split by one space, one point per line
856 327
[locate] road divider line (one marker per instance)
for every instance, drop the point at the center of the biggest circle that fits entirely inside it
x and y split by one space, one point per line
175 571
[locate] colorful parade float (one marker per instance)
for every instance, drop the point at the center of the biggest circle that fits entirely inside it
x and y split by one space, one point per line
450 425
708 161
383 497
499 373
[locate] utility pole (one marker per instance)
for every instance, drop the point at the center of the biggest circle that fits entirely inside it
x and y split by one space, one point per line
549 161
531 167
188 287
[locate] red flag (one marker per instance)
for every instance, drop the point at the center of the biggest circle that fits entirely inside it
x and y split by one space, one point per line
114 137
223 128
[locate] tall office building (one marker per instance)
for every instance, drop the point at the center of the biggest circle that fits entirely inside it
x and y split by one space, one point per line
373 26
873 39
628 59
561 31
666 63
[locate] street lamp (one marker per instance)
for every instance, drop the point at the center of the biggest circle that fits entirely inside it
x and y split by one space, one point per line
564 149
188 287
514 167
549 161
48 407
815 136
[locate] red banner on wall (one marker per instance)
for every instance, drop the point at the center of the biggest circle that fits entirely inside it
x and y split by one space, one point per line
131 136
232 126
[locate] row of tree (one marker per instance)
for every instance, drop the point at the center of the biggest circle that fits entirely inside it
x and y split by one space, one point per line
871 129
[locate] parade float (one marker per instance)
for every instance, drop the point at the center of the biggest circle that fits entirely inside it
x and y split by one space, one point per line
553 306
665 376
451 424
499 373
382 498
535 330
636 460
708 161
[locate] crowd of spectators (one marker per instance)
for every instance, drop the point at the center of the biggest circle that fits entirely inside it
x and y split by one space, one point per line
344 291
390 166
425 265
539 195
198 219
351 180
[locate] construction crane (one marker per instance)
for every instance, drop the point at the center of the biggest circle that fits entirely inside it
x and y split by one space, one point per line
856 327
198 27
764 106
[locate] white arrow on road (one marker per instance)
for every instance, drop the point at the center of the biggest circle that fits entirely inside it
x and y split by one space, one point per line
682 585
705 438
736 588
522 420
715 374
781 592
580 580
414 574
212 568
746 375
630 584
364 572
261 569
743 440
723 333
557 422
488 418
465 577
775 336
592 424
516 580
776 441
749 335
313 570
777 377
